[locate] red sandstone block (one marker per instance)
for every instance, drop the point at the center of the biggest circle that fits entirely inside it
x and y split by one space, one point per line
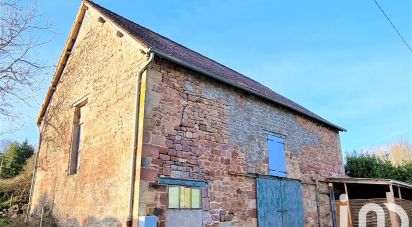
169 143
157 162
205 192
163 150
251 195
183 95
205 204
172 152
149 174
164 157
154 186
252 213
228 217
150 151
191 98
191 161
146 137
180 154
167 171
214 205
186 148
186 155
178 147
163 199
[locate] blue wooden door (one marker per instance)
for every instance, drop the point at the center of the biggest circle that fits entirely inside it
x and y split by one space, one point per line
279 203
292 203
269 202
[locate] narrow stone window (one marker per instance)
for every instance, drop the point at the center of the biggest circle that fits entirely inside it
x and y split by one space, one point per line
276 153
77 138
181 197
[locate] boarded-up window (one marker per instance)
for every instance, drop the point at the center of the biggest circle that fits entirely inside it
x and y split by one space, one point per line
276 152
77 138
196 198
173 197
181 197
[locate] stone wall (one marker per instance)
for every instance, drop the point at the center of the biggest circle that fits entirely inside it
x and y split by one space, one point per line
103 67
199 129
195 128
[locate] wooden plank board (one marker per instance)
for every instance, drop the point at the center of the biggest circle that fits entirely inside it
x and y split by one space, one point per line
269 202
279 203
292 203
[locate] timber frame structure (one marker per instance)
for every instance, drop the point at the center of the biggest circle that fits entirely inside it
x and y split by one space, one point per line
362 191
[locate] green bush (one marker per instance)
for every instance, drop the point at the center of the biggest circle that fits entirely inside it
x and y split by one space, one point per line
16 190
372 166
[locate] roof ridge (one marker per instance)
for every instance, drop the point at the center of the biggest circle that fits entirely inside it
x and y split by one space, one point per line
144 27
203 64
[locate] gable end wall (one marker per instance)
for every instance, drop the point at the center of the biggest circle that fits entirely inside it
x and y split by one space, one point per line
103 67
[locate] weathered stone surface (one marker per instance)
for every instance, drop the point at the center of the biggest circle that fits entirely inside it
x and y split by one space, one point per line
216 133
103 67
194 128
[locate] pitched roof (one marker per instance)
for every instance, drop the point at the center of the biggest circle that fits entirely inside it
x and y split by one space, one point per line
187 57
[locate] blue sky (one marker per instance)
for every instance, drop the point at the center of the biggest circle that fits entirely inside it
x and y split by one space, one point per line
340 59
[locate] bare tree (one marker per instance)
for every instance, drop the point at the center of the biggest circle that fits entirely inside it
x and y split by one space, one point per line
18 67
4 144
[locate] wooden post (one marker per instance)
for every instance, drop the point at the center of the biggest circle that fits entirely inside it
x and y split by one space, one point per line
41 216
333 205
349 213
394 218
399 192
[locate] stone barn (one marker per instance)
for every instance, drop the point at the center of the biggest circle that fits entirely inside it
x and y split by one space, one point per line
136 127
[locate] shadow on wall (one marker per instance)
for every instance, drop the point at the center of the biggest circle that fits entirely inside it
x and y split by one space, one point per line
58 119
55 130
43 214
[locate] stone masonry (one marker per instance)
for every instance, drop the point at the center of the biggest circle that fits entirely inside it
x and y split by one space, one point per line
103 67
195 128
200 129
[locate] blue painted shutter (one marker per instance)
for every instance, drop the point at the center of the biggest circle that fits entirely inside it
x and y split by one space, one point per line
276 152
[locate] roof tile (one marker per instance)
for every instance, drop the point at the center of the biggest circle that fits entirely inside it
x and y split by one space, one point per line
161 44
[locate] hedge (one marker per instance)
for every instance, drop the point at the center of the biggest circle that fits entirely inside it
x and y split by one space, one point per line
373 166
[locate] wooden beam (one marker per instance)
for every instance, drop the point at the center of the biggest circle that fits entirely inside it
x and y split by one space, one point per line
333 205
172 181
399 192
349 213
